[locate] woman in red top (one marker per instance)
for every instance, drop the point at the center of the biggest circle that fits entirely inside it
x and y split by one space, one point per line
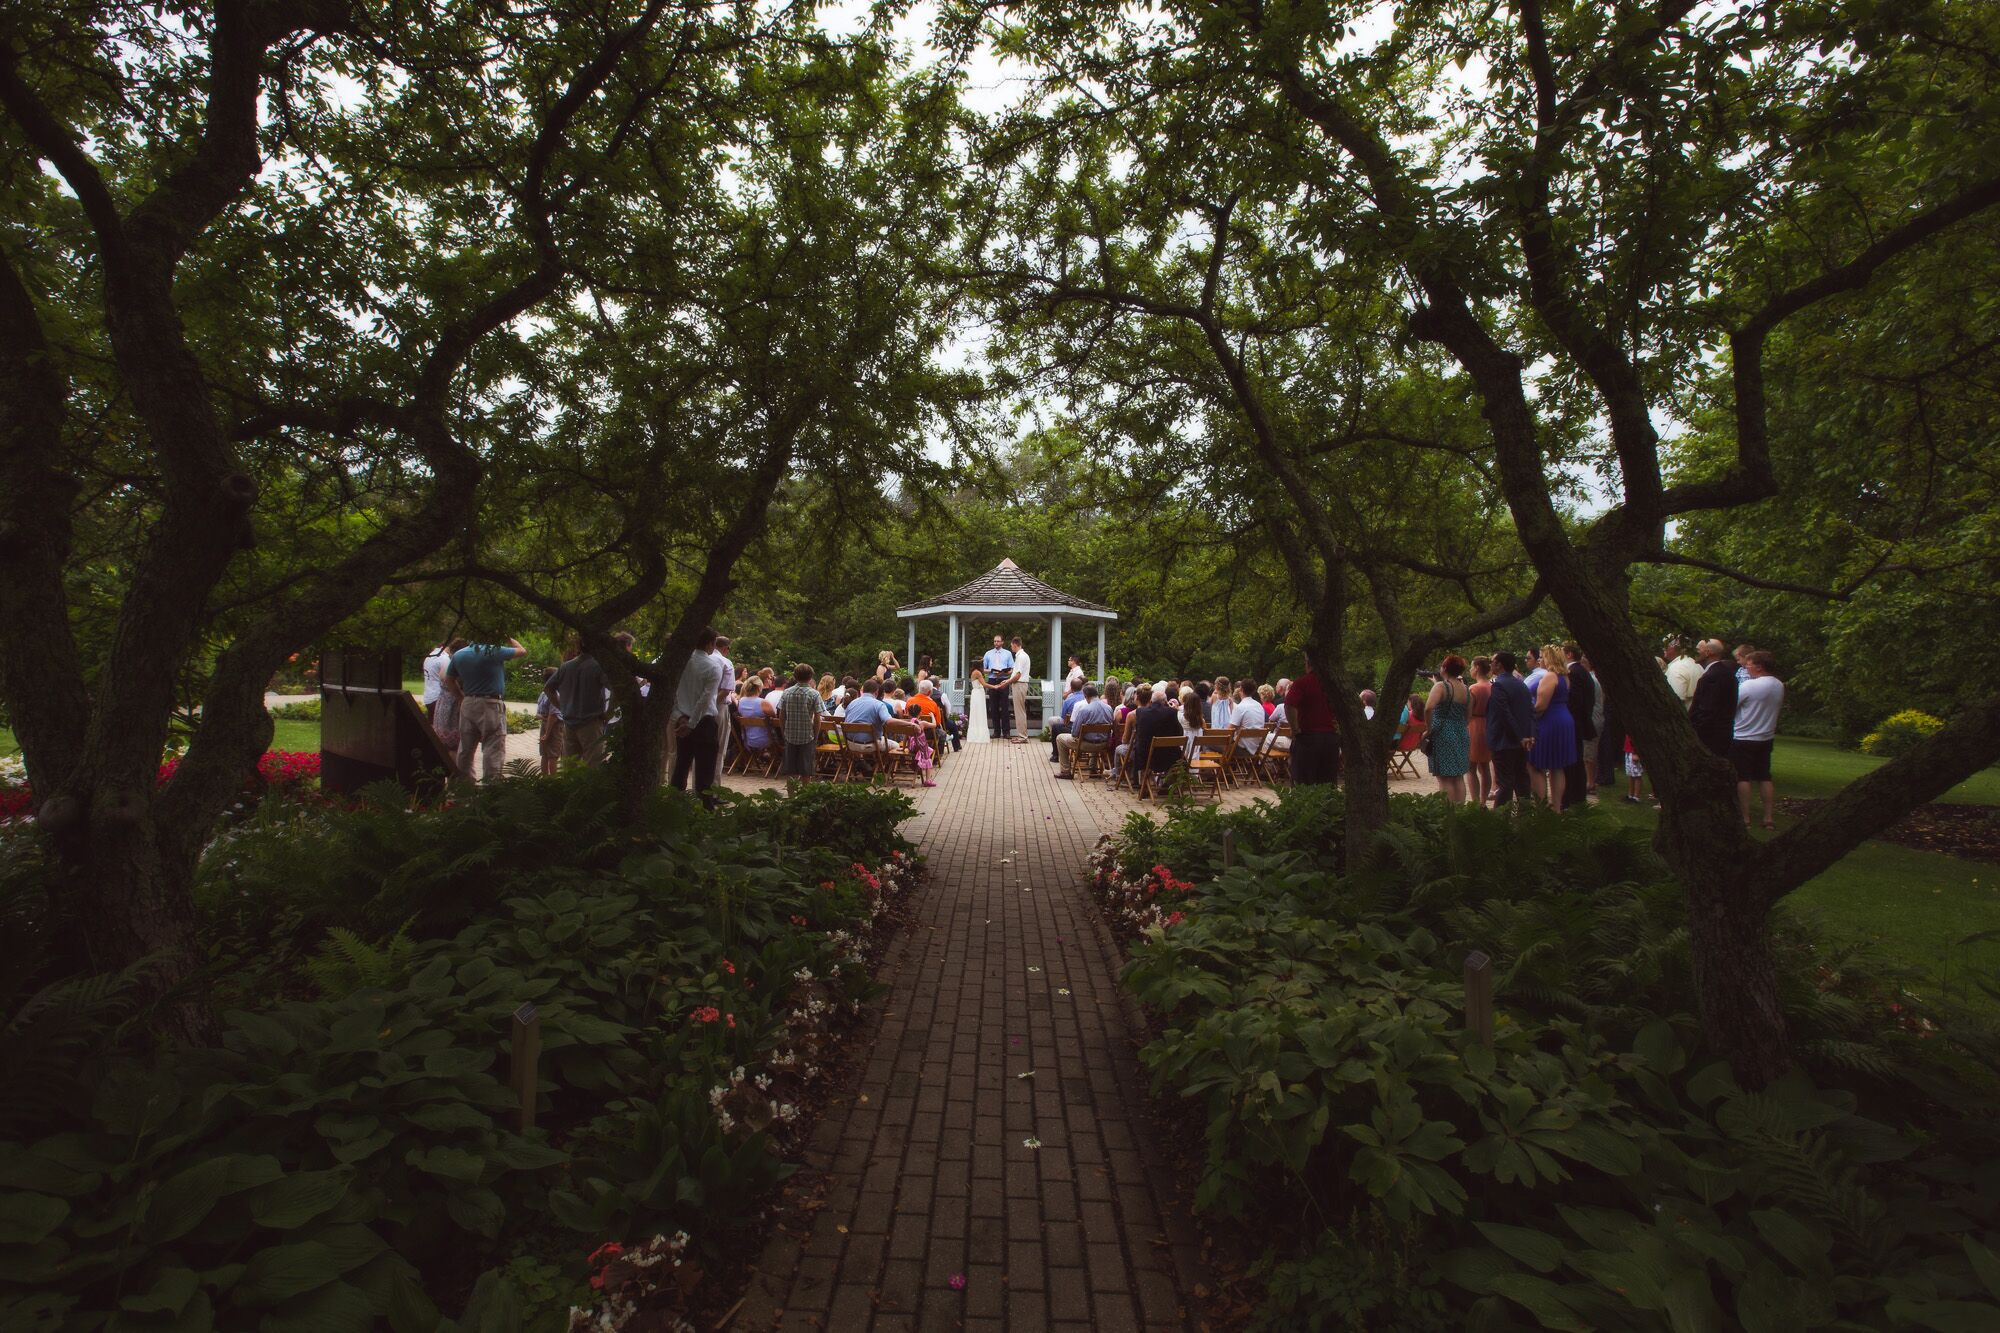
1480 784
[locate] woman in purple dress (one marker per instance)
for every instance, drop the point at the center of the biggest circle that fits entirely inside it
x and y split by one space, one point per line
1555 733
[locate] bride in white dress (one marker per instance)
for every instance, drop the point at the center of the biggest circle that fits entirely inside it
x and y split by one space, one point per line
975 709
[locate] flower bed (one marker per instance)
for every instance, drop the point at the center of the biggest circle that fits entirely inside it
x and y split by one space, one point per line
1593 1166
292 773
347 1154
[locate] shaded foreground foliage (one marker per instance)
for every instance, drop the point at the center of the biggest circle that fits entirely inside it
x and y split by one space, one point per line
1597 1166
345 1155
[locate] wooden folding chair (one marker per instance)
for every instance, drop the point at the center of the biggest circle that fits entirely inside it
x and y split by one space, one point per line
857 749
1209 759
827 749
1093 747
1149 778
1278 762
736 755
899 759
1401 755
1248 758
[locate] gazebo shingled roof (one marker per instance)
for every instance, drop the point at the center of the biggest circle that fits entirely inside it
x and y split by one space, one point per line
1007 585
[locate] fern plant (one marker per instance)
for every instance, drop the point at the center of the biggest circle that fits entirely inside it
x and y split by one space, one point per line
346 963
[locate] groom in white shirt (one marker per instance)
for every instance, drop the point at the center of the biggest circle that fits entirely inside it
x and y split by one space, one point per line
999 667
1023 673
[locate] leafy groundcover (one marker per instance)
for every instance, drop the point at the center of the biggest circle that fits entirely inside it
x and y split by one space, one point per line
1595 1167
346 1156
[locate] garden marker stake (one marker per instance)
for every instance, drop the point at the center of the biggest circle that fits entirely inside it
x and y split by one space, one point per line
527 1055
1228 848
1479 996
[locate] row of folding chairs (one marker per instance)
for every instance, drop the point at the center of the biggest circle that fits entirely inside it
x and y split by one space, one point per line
844 752
1221 757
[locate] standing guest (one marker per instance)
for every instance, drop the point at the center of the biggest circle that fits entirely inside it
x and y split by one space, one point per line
1555 729
725 697
1315 735
1682 672
1091 709
1713 711
1635 774
445 723
434 664
693 722
998 664
1533 665
924 671
887 668
1073 678
1583 714
1479 755
582 696
1759 696
1248 713
548 719
1510 731
1017 690
1448 713
1742 659
801 709
480 670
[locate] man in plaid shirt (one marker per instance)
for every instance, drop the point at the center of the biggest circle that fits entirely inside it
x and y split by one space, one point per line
799 716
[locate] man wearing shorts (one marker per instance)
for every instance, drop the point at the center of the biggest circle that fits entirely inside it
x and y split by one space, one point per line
1759 696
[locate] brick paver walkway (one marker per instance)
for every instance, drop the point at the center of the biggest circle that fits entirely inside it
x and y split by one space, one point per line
1003 1027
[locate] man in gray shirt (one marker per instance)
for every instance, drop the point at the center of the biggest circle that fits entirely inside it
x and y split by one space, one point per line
583 698
1092 709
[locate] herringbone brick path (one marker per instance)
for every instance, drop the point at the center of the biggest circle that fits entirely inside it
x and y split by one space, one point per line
998 1130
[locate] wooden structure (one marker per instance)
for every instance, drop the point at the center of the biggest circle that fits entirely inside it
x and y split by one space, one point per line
371 730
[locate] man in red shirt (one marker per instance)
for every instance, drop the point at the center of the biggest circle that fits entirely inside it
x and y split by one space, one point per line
1315 734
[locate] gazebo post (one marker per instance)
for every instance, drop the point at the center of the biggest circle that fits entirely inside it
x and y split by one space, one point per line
910 659
951 657
1055 667
1100 652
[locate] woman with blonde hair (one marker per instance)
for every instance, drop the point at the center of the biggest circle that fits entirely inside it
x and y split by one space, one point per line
1555 747
886 665
827 685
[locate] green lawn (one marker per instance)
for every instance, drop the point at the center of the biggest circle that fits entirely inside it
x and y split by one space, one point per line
294 735
1914 905
8 745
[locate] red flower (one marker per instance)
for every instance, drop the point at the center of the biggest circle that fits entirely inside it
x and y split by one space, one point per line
604 1253
729 967
1174 919
731 1020
708 1013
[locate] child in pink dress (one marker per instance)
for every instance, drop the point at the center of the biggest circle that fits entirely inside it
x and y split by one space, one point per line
920 749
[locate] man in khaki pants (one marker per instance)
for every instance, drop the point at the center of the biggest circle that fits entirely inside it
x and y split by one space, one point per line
1023 673
478 672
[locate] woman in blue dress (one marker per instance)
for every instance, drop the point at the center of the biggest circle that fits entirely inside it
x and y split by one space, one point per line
1555 733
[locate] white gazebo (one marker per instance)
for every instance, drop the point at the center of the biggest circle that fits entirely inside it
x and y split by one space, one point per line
1005 592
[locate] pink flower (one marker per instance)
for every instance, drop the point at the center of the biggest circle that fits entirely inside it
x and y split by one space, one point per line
604 1253
731 1020
956 1282
1174 919
708 1013
729 967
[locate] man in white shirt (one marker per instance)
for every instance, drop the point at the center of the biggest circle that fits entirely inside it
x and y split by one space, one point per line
1092 709
1682 671
434 665
1024 671
1248 712
1759 697
725 699
1073 679
694 719
998 664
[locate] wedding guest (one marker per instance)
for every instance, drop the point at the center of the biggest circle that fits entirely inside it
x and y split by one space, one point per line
1153 720
869 709
1555 730
1091 710
725 692
886 666
1315 743
480 673
1448 717
549 723
1193 720
1479 775
801 709
1142 695
1510 731
1073 678
1759 697
1267 699
1221 703
1060 727
755 713
1248 712
1682 672
828 688
434 664
1368 704
1713 711
694 719
582 696
1582 712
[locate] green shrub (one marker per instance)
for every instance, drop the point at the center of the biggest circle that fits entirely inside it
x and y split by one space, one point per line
1899 733
304 710
1594 1167
349 1161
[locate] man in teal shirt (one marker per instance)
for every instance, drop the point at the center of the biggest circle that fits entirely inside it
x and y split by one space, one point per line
478 672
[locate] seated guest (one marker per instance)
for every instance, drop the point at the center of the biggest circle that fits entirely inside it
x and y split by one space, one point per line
756 712
1368 704
1193 721
828 687
1273 742
1091 709
1142 694
1060 727
1221 703
1248 713
867 707
1154 719
1268 699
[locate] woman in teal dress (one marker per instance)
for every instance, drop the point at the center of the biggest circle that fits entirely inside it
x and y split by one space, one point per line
1445 717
